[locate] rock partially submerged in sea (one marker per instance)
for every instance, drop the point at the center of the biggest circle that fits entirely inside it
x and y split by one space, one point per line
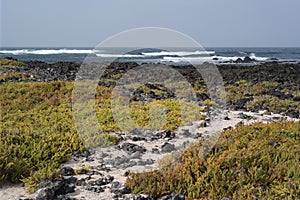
247 59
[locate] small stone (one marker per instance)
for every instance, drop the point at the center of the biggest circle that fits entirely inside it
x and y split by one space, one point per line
118 188
136 138
136 155
186 132
167 147
46 193
68 188
97 189
155 150
67 171
132 148
226 118
225 198
202 124
81 182
227 128
126 173
244 116
101 181
72 179
172 196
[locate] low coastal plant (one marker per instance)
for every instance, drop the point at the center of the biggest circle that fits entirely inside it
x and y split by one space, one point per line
260 161
82 169
273 104
15 76
38 133
264 95
10 63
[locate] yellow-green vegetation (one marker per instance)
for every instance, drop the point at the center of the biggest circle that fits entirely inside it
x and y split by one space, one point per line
175 112
208 102
38 132
15 76
273 104
200 87
8 63
82 169
260 161
260 96
242 89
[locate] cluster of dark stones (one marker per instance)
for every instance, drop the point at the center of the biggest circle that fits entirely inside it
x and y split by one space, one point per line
94 179
285 73
145 96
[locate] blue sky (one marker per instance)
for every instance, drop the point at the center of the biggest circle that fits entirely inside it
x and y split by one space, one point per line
212 23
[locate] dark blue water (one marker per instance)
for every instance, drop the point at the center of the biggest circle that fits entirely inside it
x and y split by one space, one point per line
216 55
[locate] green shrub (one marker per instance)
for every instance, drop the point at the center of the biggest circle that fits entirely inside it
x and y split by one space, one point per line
13 76
273 104
38 132
8 63
262 96
260 161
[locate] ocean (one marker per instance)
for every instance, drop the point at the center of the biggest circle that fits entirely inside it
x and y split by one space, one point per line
176 56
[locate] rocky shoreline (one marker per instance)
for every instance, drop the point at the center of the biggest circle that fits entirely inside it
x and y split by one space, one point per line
100 173
287 76
283 73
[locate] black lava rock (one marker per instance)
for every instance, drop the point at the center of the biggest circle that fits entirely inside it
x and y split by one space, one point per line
226 118
67 171
57 188
46 194
167 147
97 189
132 148
172 196
244 116
119 189
101 181
247 59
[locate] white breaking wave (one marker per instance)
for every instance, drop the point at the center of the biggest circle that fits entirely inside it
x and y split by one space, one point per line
253 56
210 58
119 55
186 59
47 51
178 53
153 54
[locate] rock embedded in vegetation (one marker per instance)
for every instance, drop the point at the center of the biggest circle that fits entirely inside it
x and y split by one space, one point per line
119 189
172 196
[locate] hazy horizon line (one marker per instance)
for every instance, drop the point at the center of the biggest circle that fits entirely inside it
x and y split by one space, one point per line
56 46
